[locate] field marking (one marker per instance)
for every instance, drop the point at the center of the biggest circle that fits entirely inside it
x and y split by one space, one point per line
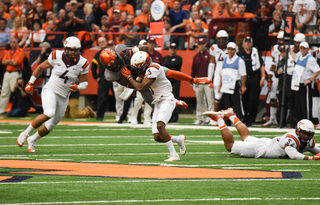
101 161
169 200
151 181
291 170
52 159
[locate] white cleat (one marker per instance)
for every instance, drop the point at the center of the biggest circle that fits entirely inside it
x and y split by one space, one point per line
198 122
213 123
172 158
223 113
271 122
22 138
31 145
182 144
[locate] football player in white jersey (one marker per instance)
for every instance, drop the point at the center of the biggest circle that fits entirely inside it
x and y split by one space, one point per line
290 145
68 65
154 78
218 52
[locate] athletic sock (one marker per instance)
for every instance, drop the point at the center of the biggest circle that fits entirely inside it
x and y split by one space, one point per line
29 129
221 123
273 112
174 138
35 136
234 119
171 147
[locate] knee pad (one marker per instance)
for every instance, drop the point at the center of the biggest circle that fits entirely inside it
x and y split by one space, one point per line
49 112
273 102
49 126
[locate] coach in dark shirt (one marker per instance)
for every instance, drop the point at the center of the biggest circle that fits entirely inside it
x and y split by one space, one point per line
174 62
155 55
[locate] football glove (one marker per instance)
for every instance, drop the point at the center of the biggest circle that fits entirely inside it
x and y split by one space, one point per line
73 87
316 157
201 81
29 88
126 72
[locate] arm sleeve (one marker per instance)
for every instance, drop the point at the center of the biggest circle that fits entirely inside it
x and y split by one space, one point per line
211 70
293 153
94 67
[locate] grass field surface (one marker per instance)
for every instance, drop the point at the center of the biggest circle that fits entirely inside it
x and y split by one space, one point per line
108 163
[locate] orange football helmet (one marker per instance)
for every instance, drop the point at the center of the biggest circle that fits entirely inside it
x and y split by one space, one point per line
110 60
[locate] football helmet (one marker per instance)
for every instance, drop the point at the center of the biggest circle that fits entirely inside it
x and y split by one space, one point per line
280 37
140 62
299 37
305 130
72 46
110 60
222 37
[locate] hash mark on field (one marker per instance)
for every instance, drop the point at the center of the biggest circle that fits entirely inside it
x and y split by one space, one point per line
53 159
290 170
169 200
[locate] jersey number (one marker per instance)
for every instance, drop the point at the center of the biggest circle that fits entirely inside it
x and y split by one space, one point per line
63 76
220 57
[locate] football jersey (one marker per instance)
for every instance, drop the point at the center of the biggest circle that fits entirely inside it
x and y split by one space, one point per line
275 148
219 55
275 53
161 88
64 73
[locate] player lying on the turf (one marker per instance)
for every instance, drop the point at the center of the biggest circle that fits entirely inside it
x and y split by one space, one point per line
290 145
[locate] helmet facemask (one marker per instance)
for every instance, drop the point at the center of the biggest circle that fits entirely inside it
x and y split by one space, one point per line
72 53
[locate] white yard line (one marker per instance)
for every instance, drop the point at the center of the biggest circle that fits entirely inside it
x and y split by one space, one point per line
170 200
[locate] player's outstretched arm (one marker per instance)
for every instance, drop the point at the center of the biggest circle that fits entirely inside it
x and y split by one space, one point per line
294 154
177 75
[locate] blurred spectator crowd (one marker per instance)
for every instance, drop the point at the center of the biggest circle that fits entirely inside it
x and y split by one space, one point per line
186 25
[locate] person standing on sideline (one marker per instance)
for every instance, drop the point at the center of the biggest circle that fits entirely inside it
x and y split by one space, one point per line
204 93
163 99
174 62
233 80
178 19
104 86
13 60
255 80
305 72
218 52
68 65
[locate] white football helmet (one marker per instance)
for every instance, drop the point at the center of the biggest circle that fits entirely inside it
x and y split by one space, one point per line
299 37
222 38
140 62
280 37
72 44
305 127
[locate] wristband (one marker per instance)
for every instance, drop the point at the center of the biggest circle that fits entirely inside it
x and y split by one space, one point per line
83 85
310 158
32 79
129 76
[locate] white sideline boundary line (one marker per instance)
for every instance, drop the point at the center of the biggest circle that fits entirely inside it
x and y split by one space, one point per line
169 200
151 181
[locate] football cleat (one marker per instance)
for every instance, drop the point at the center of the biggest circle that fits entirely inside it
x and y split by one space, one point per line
213 123
201 81
181 104
271 122
182 144
31 145
225 114
22 138
198 122
172 158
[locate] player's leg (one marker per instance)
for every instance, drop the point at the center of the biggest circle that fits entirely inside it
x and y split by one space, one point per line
161 116
272 98
61 105
48 98
217 95
226 134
